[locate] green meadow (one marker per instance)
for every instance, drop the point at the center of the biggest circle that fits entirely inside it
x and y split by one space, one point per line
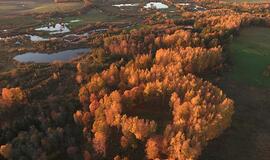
18 7
250 55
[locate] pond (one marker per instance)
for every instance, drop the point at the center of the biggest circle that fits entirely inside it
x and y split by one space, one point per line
37 57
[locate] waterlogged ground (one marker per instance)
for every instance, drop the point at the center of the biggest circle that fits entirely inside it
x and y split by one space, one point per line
248 138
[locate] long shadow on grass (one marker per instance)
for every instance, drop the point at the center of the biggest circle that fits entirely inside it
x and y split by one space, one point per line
249 135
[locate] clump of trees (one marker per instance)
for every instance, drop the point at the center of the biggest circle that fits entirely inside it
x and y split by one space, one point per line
192 60
5 150
14 95
200 111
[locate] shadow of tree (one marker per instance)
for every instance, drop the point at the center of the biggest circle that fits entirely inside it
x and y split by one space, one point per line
249 135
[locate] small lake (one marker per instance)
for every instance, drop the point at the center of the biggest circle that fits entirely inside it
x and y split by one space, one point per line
38 57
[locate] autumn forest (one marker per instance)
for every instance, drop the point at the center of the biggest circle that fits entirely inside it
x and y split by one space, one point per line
149 86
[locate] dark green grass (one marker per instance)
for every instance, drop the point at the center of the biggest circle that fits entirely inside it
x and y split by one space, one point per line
250 55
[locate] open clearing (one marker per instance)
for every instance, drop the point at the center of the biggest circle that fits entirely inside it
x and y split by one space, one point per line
250 56
16 7
248 137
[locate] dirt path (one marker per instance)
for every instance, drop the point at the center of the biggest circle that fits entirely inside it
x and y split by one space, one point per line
249 136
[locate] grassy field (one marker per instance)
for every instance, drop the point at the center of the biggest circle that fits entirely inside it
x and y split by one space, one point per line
93 16
60 7
248 137
250 54
11 13
16 7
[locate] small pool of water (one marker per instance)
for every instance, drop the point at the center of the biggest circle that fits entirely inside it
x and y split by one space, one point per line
37 57
126 5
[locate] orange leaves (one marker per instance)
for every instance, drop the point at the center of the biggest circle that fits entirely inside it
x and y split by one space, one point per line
14 95
99 143
182 148
200 111
180 37
153 147
84 95
139 127
5 150
192 60
111 76
113 108
81 117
